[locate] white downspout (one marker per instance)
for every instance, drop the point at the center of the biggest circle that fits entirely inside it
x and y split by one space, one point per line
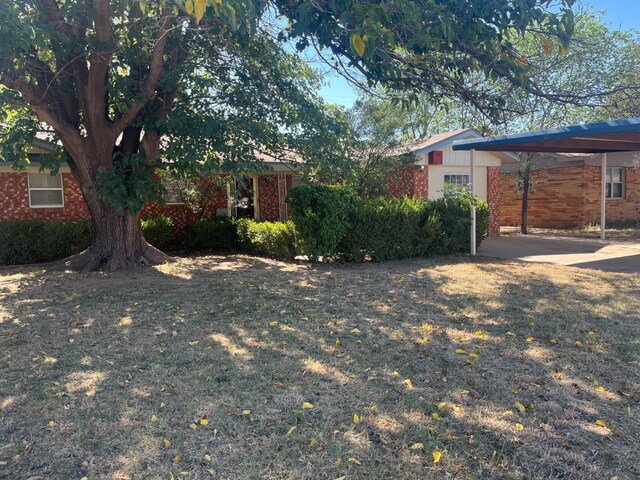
473 202
603 198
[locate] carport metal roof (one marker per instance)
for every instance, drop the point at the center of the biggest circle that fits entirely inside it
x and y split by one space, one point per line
601 137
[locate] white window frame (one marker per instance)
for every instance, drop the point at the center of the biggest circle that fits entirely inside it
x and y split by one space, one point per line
610 182
446 174
61 189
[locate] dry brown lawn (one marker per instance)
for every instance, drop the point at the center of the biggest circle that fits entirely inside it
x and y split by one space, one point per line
201 369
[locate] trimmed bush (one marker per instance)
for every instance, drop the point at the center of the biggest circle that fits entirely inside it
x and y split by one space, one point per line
271 239
382 228
34 241
213 234
157 230
321 214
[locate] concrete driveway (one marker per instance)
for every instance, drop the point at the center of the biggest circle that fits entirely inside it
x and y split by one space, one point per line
576 252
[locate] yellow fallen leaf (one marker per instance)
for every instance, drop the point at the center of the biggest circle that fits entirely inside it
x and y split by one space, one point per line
437 455
338 342
207 457
578 343
338 463
408 383
517 391
460 351
341 478
600 388
601 423
246 412
519 427
553 341
356 418
273 324
166 443
50 359
84 478
307 406
355 330
511 334
154 419
474 355
508 413
519 406
478 332
427 328
628 410
455 407
194 343
354 461
425 340
435 416
51 423
204 421
416 446
162 404
529 339
312 442
291 430
177 459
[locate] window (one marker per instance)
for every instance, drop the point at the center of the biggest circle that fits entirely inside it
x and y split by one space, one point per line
615 182
171 192
45 190
457 180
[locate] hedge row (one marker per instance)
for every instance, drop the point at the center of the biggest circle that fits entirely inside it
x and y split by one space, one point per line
34 241
332 222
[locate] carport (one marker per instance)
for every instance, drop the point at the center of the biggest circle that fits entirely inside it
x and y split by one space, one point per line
601 137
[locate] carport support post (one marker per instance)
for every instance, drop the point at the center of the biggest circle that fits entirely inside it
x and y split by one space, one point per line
603 198
473 201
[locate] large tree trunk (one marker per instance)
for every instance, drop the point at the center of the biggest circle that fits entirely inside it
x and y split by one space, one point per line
118 242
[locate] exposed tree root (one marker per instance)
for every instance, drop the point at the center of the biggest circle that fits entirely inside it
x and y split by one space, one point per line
93 260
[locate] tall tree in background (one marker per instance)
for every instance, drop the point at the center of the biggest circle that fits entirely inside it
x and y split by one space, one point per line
597 77
128 85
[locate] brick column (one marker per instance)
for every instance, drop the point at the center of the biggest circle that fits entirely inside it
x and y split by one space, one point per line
421 182
493 199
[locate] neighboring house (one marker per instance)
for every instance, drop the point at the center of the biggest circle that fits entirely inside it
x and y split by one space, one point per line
31 194
438 164
566 188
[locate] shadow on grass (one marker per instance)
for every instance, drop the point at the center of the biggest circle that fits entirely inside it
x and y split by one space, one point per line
122 362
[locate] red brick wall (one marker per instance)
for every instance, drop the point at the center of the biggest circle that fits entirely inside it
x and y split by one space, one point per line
409 181
272 191
493 199
616 209
568 197
14 203
14 200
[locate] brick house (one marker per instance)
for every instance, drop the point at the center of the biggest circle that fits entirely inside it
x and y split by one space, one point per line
437 165
566 188
32 194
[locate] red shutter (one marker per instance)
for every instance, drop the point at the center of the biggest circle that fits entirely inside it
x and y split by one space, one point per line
435 157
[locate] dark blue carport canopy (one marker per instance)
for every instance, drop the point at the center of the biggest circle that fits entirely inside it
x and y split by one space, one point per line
601 137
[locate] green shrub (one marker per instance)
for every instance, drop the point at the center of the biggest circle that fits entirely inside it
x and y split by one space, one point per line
454 211
389 228
271 239
321 214
216 233
333 222
33 241
157 230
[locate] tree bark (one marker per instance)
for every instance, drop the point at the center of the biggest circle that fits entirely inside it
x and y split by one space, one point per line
526 179
118 241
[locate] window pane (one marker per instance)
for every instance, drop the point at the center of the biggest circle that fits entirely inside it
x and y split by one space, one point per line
44 180
617 175
608 194
617 190
608 175
46 197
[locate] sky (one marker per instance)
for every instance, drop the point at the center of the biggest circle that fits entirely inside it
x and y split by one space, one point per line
624 14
